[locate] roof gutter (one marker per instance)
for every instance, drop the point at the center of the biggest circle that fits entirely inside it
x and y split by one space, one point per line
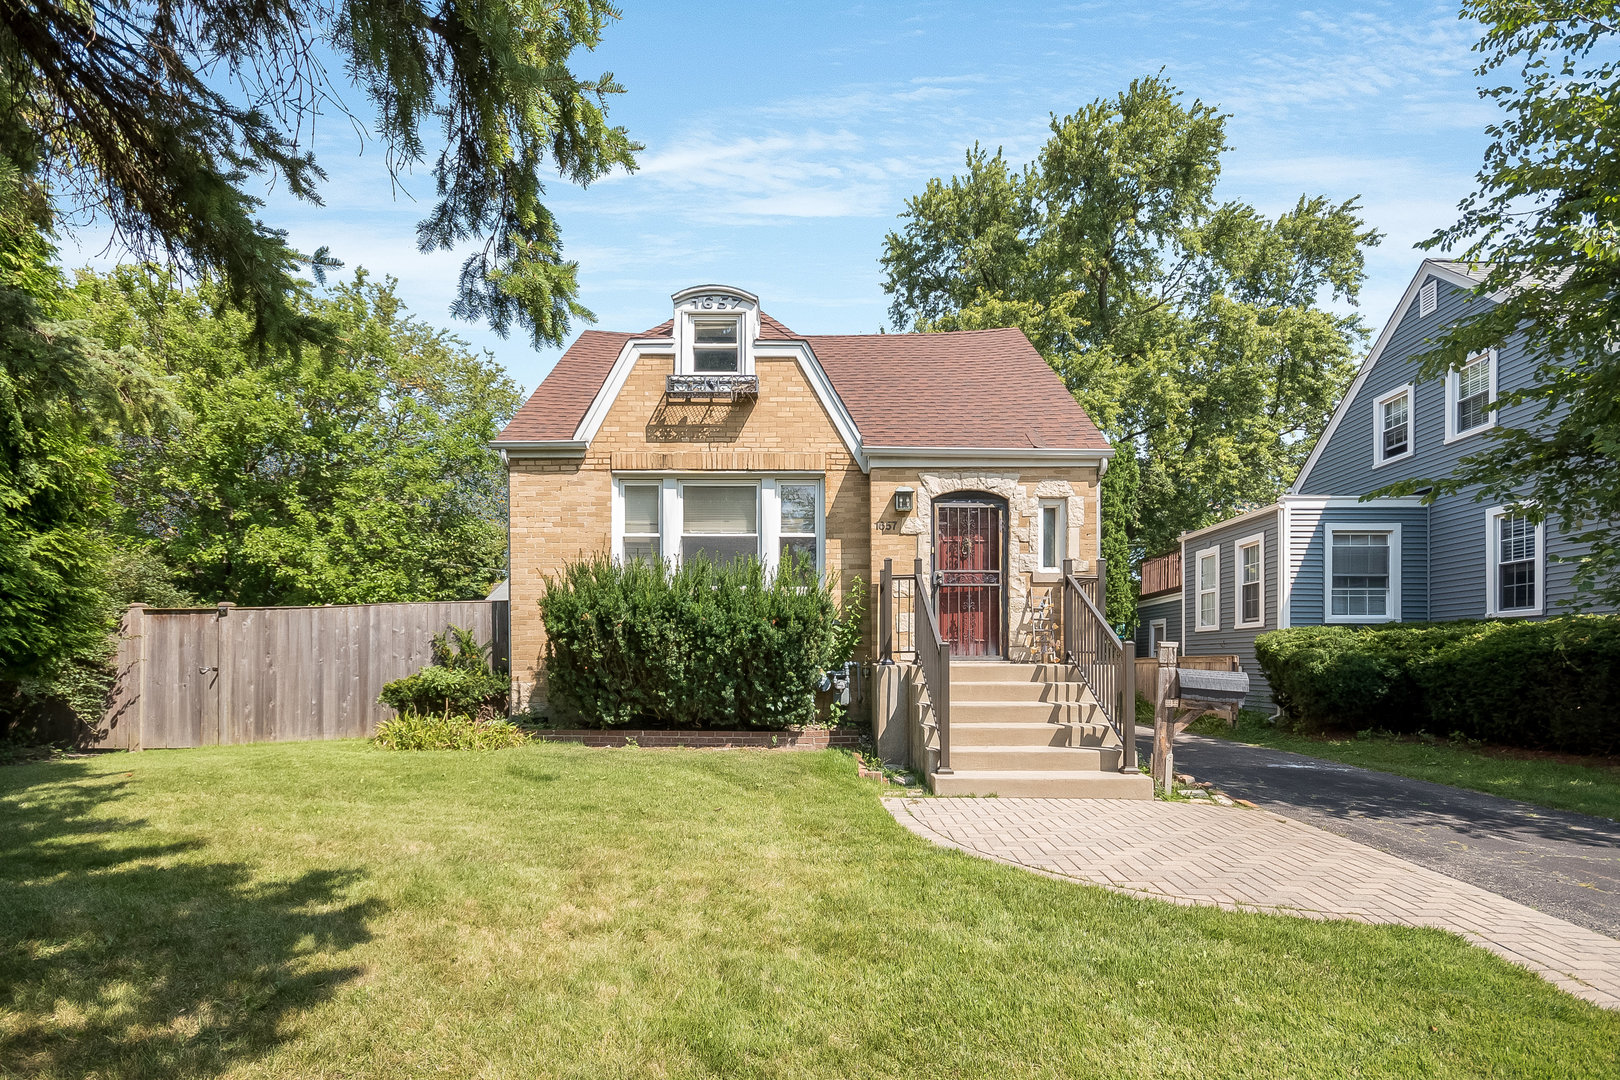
905 457
564 449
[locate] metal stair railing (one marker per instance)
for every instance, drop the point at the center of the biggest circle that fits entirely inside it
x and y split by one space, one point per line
1106 664
929 647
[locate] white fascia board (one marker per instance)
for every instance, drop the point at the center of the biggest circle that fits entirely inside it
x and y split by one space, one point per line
1261 512
1429 268
915 457
1322 502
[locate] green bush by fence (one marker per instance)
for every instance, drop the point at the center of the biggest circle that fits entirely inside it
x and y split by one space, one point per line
702 646
1547 685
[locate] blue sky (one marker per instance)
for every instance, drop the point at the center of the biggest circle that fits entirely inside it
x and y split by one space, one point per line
782 140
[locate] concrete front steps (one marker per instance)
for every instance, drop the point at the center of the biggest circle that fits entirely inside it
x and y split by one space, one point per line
1035 731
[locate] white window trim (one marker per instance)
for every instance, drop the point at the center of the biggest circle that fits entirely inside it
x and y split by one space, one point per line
1157 629
617 515
1378 425
1428 298
768 505
1199 625
1257 540
1394 532
1452 383
1062 527
715 302
1493 559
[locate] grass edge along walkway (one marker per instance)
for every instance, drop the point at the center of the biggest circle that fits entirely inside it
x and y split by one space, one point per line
1549 780
330 909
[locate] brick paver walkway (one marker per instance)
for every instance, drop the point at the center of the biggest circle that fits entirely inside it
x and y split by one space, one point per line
1252 860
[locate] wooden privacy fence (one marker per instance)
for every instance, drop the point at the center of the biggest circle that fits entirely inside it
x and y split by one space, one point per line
207 676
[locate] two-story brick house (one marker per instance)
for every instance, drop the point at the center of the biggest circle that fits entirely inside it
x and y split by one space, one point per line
722 431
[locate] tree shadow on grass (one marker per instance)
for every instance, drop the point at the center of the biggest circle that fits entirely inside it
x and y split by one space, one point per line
124 955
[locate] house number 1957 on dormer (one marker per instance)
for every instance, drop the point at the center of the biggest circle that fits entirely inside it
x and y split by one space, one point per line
715 303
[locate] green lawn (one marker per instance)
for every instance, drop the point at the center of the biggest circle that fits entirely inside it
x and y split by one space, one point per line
1562 785
331 910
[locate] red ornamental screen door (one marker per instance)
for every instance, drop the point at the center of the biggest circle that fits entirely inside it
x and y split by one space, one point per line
970 582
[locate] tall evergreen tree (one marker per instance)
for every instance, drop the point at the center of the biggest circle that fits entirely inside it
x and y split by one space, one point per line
156 117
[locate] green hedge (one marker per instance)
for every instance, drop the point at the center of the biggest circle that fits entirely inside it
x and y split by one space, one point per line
1547 685
640 644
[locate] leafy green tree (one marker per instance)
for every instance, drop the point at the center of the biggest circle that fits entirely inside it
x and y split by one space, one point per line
157 117
1191 330
1545 222
356 472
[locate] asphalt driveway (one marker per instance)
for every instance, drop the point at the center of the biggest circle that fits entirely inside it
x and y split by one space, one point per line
1561 863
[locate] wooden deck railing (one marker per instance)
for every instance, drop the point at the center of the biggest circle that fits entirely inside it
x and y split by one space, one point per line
929 648
1107 664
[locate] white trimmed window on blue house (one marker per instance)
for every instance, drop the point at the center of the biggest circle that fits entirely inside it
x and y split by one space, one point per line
1514 576
1363 573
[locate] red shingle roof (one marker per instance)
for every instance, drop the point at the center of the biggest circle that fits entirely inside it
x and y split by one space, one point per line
985 389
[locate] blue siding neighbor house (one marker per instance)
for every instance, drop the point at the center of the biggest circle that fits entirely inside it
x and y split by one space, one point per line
1325 554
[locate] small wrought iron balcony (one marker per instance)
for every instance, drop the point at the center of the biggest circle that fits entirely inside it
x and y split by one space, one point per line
712 387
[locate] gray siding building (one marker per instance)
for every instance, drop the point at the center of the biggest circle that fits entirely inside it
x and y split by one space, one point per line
1324 553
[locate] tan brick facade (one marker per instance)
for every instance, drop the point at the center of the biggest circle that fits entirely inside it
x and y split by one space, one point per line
562 510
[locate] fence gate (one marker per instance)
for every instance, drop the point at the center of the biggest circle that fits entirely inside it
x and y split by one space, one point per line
210 676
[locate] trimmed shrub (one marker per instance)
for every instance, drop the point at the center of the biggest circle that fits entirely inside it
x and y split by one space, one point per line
458 681
703 646
1551 685
427 731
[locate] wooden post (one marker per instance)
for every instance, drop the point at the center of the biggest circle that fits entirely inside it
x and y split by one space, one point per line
1164 727
1102 586
224 726
1127 721
886 615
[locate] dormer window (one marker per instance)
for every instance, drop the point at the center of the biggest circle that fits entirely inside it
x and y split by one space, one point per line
715 330
715 345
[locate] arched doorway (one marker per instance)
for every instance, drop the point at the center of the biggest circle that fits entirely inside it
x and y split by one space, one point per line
970 572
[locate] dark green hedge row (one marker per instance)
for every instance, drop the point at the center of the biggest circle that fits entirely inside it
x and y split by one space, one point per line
1548 685
640 644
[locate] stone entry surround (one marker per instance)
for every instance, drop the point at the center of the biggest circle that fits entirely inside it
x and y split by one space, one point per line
1254 860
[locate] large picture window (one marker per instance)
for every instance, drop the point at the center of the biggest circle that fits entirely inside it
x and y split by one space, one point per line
766 518
719 521
1363 574
1515 573
1209 589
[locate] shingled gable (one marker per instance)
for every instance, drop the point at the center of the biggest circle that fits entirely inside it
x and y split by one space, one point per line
964 390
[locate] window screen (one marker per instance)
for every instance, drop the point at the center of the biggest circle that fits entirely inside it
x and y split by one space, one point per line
714 345
1397 429
1251 584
